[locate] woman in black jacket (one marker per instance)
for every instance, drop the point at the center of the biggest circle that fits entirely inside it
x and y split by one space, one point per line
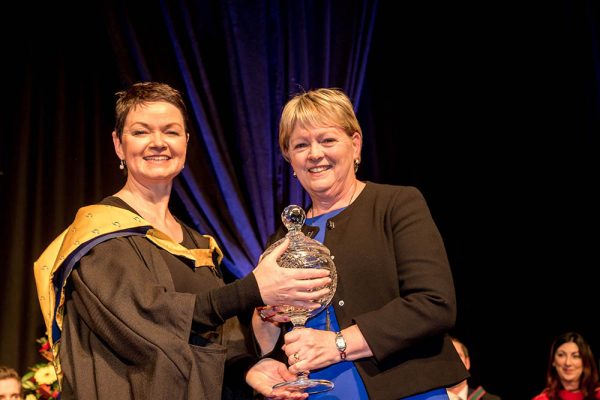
384 336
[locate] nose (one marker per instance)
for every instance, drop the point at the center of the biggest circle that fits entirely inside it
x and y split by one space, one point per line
568 361
157 140
315 152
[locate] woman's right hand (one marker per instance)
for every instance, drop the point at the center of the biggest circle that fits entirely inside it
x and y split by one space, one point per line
268 372
289 286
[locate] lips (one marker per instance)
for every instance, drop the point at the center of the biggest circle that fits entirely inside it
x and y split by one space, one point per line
569 373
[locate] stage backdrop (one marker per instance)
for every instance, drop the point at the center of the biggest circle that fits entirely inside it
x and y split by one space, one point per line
491 112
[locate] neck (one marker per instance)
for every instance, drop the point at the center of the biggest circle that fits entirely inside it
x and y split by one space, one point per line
570 386
323 206
152 206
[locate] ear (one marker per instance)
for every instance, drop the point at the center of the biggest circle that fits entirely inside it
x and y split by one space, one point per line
468 363
118 146
356 144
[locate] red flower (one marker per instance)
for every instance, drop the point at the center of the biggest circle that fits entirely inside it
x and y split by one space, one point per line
41 381
45 349
45 391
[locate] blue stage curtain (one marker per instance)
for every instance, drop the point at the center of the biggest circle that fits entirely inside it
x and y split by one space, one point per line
250 56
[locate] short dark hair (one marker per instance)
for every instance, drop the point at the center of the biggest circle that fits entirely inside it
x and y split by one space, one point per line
146 92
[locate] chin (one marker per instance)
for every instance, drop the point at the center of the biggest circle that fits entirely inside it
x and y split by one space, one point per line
319 186
162 172
159 177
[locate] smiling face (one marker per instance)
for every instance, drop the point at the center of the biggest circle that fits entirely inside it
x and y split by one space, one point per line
568 364
323 159
154 143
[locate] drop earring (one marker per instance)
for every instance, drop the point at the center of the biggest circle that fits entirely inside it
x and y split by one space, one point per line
356 162
294 173
122 165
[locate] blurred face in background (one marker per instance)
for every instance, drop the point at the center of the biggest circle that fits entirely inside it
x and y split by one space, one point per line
10 389
462 354
568 364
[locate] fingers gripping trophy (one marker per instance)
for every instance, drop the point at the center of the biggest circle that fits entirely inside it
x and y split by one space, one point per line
303 252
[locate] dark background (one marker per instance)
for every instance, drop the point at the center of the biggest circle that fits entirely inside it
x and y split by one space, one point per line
490 109
498 123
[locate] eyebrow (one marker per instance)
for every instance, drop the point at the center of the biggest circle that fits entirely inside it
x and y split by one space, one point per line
167 126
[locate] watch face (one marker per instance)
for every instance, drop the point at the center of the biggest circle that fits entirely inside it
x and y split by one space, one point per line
340 343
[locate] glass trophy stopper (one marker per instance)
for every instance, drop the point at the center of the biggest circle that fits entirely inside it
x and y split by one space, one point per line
293 218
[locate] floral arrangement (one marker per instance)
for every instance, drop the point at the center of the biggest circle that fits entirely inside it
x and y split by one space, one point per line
41 381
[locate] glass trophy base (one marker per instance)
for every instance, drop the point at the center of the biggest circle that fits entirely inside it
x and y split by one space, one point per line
310 386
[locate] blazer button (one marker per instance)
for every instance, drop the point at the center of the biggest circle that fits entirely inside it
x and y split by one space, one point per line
341 303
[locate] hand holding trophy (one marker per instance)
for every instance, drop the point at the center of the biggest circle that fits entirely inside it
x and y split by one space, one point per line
303 252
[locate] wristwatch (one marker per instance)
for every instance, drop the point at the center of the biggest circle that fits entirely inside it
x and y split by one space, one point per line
340 343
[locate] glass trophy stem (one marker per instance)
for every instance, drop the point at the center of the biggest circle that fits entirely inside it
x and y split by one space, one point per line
302 376
303 383
298 321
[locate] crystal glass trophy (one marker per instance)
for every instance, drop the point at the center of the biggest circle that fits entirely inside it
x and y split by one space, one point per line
303 252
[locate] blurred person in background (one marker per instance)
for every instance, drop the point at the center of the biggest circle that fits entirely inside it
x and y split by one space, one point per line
463 391
572 372
10 384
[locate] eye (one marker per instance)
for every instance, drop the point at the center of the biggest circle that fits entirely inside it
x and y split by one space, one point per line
298 146
173 133
139 132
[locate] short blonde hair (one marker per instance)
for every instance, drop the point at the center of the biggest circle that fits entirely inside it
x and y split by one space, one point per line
317 108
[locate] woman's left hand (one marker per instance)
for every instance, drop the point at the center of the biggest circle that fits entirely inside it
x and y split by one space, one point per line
309 349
